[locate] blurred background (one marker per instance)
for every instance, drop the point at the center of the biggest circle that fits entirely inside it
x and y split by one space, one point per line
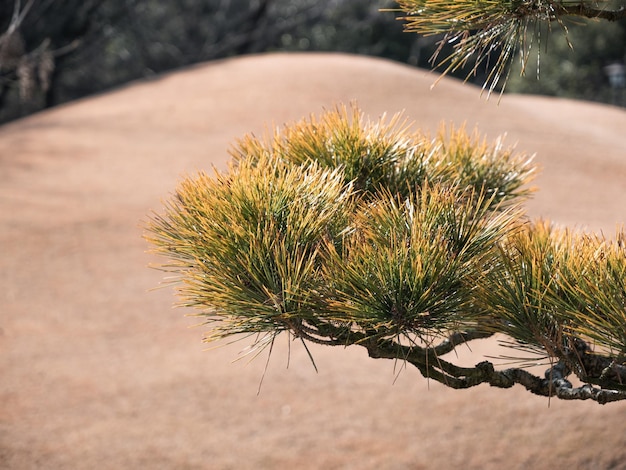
55 51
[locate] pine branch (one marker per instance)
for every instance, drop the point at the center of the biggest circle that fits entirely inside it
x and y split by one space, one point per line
458 338
343 232
432 366
478 29
588 11
594 368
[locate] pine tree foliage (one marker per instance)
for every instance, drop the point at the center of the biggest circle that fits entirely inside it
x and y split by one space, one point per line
493 32
344 231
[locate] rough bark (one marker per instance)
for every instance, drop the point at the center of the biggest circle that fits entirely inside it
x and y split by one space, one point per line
604 376
588 11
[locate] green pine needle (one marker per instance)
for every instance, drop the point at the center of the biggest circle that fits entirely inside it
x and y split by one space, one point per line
555 285
485 32
410 265
337 224
247 245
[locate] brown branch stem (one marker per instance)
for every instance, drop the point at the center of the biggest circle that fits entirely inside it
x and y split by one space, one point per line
588 11
595 368
592 368
554 383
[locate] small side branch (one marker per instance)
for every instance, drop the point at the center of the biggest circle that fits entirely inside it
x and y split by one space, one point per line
326 333
596 368
458 338
587 11
555 383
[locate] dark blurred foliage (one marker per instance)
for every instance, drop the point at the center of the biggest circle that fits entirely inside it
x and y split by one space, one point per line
45 58
64 50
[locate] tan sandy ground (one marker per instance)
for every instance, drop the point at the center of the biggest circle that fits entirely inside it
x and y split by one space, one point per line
99 373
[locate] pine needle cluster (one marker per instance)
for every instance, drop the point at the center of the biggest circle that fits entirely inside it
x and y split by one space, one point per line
489 33
555 287
340 230
343 221
388 154
411 265
248 245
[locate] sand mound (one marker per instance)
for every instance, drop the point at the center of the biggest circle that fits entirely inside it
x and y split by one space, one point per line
98 372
